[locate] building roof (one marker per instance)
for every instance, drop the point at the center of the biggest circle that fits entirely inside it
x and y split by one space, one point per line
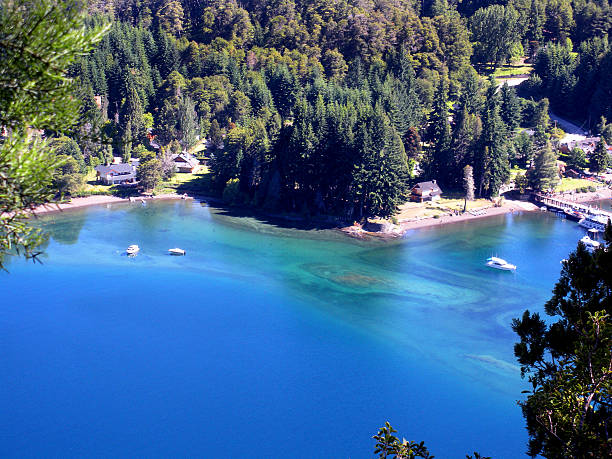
122 168
428 186
185 158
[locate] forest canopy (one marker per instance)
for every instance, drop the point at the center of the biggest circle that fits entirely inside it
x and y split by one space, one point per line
334 108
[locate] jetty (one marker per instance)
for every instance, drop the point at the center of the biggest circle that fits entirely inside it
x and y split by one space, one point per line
553 202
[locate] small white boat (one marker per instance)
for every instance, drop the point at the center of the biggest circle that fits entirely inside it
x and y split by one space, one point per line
176 251
590 244
132 250
500 263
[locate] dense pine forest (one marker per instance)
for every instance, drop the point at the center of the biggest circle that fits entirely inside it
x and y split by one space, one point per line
336 107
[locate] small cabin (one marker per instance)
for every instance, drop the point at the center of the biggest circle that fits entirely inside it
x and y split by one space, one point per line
425 191
184 162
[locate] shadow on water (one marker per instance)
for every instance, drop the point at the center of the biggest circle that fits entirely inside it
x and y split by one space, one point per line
284 221
65 229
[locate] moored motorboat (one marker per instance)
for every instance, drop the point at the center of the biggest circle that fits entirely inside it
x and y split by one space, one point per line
590 244
500 263
176 251
132 249
597 222
574 215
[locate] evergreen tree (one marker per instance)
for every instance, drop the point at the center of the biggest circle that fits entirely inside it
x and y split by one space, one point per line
524 148
492 166
598 162
261 97
534 29
68 178
41 40
544 175
126 142
439 136
510 109
149 171
284 88
188 122
576 159
380 177
567 360
132 114
65 146
215 134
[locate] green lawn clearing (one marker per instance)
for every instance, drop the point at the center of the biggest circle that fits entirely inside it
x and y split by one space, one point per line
511 70
570 184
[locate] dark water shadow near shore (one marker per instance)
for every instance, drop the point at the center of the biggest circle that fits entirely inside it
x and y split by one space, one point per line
285 221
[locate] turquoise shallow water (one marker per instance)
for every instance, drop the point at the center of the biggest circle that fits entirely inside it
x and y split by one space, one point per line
265 341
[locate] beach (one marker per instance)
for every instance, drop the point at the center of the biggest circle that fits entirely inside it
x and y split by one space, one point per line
387 230
507 208
77 203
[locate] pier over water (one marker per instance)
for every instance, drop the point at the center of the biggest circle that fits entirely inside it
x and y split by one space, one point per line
563 204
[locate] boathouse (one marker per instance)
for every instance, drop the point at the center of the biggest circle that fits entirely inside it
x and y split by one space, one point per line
425 191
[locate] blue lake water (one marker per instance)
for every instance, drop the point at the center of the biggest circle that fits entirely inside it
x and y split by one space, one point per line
265 341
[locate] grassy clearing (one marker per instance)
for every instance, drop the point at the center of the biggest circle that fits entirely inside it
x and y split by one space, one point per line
570 184
511 70
516 171
198 182
417 210
92 187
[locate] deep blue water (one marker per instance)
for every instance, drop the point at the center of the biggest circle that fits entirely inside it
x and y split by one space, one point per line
266 342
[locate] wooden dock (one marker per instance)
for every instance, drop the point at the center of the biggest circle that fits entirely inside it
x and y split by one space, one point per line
562 205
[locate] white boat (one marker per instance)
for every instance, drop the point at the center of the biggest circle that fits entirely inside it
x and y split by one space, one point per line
590 244
132 250
500 263
176 251
597 222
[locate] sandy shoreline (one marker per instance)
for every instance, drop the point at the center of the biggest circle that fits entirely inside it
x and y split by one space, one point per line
95 200
509 206
405 226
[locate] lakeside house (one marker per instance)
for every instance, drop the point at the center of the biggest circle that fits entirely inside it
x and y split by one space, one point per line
115 174
425 191
184 162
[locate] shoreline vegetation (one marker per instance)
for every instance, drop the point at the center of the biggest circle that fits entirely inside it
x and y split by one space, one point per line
382 229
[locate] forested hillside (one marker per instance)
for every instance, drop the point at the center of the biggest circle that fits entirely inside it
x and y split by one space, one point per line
332 107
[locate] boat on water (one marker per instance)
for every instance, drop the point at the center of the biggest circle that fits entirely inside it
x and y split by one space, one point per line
590 244
597 222
500 263
176 251
574 215
132 249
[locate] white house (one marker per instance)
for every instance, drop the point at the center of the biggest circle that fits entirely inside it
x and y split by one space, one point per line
116 174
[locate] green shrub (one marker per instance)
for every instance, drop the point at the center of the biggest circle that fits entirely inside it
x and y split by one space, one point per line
232 194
